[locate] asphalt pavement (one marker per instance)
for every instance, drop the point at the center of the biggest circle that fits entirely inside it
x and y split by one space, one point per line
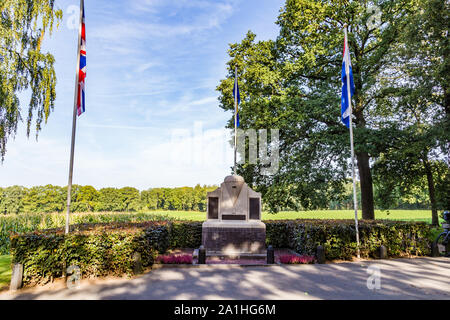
419 278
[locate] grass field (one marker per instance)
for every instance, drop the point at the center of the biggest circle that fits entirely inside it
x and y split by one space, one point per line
402 215
5 271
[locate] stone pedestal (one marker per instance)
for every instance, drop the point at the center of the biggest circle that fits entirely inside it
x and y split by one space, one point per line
233 226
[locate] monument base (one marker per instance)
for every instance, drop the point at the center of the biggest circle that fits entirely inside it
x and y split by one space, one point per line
234 238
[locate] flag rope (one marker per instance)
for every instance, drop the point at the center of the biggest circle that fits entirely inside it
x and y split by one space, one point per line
74 121
355 200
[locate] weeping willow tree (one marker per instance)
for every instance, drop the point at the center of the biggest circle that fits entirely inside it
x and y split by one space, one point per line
23 66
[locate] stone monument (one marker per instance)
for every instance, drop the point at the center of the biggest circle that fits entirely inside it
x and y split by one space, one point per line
233 226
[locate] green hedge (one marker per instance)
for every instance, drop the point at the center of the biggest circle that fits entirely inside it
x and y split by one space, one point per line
185 234
339 237
98 250
25 223
104 249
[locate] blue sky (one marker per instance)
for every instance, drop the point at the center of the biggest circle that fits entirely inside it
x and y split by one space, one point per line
152 116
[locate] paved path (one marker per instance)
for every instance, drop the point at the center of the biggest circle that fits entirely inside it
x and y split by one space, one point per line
421 278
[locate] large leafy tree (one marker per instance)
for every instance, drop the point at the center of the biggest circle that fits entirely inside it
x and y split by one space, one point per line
415 102
23 24
294 84
11 200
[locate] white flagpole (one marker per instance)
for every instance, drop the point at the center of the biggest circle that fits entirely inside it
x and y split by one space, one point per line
74 122
235 119
349 96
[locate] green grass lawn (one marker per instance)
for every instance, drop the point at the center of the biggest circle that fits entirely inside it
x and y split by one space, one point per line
403 215
5 271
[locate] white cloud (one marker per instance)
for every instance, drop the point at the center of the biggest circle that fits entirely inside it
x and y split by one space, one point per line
199 157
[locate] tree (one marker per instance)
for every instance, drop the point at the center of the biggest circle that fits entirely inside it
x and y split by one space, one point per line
44 199
294 84
109 199
84 198
130 199
11 200
415 105
23 25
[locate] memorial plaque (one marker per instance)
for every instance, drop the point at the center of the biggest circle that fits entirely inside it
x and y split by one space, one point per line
230 217
213 208
254 209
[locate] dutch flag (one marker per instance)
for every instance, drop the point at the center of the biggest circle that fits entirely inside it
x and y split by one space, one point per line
345 105
237 97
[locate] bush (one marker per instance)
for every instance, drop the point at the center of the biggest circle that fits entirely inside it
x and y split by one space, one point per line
338 237
98 250
104 249
31 222
185 234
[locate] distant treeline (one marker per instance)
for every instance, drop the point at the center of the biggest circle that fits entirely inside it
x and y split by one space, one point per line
45 199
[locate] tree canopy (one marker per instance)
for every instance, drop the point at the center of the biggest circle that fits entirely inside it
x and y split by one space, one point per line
23 25
293 83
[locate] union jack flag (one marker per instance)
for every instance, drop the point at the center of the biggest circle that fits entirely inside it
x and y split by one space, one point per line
81 104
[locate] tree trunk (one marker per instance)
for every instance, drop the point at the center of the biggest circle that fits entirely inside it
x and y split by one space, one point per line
365 174
431 192
365 177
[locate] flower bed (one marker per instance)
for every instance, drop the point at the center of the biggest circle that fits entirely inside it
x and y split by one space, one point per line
295 259
175 259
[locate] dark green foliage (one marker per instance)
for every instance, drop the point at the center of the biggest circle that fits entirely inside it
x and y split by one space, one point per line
181 199
99 250
401 104
11 200
185 234
48 199
45 199
338 237
84 198
107 249
26 223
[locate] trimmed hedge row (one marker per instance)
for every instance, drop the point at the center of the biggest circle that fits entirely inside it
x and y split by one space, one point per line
98 250
31 222
105 249
185 234
338 237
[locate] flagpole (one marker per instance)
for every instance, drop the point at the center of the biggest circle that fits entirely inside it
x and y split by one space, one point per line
349 96
74 122
235 119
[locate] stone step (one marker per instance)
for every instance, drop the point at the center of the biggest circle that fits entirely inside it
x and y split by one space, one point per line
231 255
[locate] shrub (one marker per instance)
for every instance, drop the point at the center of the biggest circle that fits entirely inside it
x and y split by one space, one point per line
339 237
103 249
175 259
98 250
31 222
294 259
185 234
